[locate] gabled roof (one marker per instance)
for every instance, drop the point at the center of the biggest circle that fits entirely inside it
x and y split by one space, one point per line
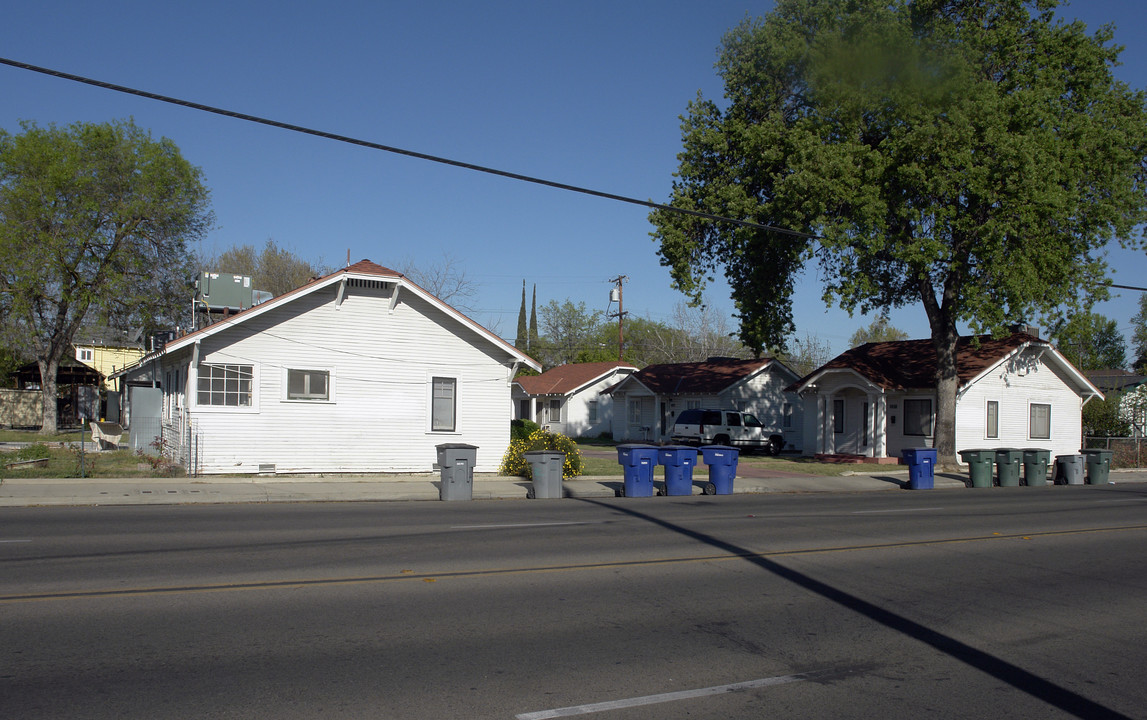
911 364
364 270
566 379
700 378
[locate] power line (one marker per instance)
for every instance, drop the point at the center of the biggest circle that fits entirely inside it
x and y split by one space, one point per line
398 151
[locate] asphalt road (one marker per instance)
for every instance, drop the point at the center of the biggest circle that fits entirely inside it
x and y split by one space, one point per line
876 605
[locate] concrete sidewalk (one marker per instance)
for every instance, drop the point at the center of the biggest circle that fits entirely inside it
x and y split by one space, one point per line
388 488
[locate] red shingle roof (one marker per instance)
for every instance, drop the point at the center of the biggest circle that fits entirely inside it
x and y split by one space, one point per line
709 377
911 364
565 379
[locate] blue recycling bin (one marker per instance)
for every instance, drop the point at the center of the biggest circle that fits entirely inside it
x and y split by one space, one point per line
679 461
921 467
637 463
722 462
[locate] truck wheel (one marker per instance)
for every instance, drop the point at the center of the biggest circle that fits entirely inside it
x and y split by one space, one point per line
776 443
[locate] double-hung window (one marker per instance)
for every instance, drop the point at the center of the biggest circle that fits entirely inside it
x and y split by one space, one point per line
225 385
1040 428
993 419
918 417
443 404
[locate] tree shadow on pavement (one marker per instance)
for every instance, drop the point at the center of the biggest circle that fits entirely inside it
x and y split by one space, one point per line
1002 670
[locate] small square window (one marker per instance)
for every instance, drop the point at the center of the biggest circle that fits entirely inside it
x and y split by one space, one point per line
918 417
308 385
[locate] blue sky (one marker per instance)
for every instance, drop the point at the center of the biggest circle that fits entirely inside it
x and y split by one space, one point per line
586 93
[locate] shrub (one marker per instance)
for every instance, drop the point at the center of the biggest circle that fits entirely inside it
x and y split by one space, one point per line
522 429
514 461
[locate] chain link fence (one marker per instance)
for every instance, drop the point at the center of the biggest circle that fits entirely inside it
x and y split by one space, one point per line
1126 452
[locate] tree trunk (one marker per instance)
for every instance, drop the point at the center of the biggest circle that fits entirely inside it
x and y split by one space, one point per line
48 369
947 384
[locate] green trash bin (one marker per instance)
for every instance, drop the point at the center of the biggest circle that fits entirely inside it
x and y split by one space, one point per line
1008 462
979 466
1036 461
1098 466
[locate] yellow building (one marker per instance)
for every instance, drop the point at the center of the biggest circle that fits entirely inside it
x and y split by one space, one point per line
106 359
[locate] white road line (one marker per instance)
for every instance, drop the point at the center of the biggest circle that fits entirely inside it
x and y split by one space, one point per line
17 540
898 510
662 698
520 525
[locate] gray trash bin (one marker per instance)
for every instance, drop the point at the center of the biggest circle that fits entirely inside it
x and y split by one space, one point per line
1098 465
1069 469
456 462
546 466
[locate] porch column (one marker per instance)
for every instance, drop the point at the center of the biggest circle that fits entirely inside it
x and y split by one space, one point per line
830 424
879 425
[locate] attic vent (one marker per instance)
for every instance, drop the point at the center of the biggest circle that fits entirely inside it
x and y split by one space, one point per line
372 284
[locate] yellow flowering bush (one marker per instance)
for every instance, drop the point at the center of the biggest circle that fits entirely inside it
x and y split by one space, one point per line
514 461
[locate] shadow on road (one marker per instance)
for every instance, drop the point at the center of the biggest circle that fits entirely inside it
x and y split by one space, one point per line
1002 670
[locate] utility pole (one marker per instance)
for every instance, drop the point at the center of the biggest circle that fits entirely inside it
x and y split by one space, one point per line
615 296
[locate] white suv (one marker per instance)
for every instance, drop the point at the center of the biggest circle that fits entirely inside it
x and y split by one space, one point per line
725 427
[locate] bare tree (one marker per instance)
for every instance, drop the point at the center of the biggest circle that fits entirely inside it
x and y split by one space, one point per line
445 279
806 355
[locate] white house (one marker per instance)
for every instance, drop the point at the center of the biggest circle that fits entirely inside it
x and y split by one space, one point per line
654 396
568 399
878 399
358 371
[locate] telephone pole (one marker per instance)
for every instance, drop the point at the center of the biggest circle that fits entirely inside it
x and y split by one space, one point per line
615 296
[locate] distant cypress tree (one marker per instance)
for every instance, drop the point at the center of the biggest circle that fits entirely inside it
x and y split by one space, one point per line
533 342
522 340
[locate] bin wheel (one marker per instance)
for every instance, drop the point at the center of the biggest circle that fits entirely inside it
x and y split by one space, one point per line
621 492
529 493
660 492
710 489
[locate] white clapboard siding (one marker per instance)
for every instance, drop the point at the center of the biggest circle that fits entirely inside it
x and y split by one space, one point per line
381 364
1015 386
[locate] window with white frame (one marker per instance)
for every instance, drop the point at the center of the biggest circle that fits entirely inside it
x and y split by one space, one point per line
591 407
308 384
992 421
84 354
787 415
443 404
225 385
554 410
635 411
1040 424
918 417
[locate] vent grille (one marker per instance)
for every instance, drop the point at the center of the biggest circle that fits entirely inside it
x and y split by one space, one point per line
372 284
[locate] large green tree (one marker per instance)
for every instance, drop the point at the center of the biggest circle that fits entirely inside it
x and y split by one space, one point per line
95 221
1091 342
879 330
568 334
1139 337
972 157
